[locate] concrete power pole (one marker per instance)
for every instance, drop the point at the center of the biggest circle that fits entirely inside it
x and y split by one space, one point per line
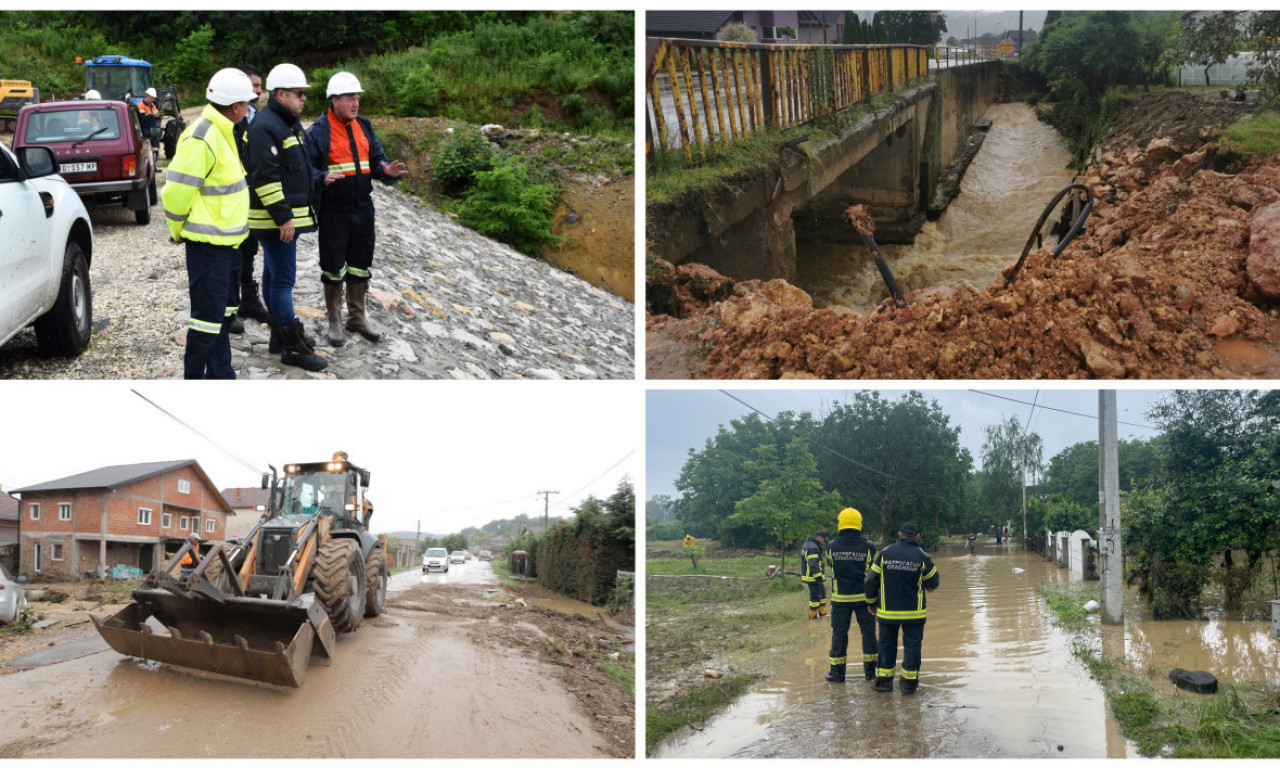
546 507
1112 564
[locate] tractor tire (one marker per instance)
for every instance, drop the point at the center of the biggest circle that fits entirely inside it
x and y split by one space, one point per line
376 576
340 583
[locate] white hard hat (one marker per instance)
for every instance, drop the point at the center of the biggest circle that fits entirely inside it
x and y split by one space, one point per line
229 86
151 92
92 94
343 82
285 76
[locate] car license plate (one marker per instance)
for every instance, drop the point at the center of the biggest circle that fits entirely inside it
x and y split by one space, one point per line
78 168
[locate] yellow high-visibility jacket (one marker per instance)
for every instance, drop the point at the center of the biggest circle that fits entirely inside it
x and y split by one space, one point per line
206 197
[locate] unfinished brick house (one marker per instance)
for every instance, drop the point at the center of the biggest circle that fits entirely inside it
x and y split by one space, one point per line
85 524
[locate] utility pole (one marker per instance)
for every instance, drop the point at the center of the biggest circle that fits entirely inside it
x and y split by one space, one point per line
546 507
1109 550
1022 458
1019 34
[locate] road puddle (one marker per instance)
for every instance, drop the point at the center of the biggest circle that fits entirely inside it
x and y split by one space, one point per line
1021 166
998 680
553 601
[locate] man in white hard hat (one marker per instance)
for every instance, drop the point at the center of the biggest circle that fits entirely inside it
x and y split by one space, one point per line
206 205
149 119
346 156
280 208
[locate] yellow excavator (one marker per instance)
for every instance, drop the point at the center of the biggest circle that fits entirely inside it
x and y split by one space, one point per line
266 606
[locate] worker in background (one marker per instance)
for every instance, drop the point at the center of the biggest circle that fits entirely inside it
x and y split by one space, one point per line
206 205
280 208
851 558
812 572
896 585
250 307
149 118
346 157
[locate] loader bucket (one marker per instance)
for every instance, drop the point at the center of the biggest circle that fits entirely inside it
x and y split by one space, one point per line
271 641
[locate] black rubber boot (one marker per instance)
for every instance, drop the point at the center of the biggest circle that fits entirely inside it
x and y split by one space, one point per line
250 305
907 687
836 674
297 353
275 344
235 326
869 670
884 684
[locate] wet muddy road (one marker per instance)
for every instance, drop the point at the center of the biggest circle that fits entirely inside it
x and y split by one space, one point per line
997 680
442 673
1021 166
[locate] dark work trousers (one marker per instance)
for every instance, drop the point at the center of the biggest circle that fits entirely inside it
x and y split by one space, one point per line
912 641
248 250
208 352
346 243
817 594
842 615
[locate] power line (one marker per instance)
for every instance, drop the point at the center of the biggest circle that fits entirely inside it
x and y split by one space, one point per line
210 440
805 438
597 477
1059 410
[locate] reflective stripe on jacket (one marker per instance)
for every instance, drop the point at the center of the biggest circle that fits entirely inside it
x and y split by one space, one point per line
851 558
206 196
811 565
353 189
280 181
898 579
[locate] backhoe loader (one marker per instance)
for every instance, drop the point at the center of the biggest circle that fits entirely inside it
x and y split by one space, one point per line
265 606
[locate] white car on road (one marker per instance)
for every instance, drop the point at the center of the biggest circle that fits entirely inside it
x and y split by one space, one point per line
435 559
44 260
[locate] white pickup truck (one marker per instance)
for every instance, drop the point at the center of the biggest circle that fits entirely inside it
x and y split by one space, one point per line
47 247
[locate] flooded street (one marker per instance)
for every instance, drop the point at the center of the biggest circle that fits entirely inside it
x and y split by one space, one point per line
997 680
1021 166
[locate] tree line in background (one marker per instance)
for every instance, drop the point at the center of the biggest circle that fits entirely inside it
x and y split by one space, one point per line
1207 484
478 67
581 558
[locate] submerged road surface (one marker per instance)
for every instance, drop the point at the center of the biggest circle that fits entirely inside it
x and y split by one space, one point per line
997 680
435 676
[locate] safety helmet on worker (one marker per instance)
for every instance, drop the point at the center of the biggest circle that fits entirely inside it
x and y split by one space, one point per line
229 86
92 95
151 92
341 83
286 76
849 518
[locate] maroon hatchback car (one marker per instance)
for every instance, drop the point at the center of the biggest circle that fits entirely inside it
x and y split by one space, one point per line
101 150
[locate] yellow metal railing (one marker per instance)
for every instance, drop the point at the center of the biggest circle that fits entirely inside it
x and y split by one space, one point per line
719 92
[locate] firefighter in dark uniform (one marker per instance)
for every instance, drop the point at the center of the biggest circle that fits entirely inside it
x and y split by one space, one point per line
897 582
346 157
851 558
813 572
280 209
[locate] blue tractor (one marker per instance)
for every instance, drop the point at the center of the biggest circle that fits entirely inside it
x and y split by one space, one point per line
120 78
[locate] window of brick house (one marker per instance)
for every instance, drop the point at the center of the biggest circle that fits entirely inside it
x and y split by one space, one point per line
144 516
182 522
64 511
55 551
166 520
184 486
208 525
35 511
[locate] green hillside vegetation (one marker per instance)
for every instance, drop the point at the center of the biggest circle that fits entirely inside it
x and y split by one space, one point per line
561 73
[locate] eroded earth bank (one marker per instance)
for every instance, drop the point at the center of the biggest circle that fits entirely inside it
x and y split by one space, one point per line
1177 275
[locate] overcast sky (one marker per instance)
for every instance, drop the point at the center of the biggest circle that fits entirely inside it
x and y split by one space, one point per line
447 453
677 420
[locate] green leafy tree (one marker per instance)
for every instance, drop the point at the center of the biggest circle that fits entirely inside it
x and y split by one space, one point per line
1005 452
736 33
893 461
849 35
912 27
192 60
790 503
454 542
660 507
1073 472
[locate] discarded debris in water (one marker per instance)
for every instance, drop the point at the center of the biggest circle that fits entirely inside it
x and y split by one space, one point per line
860 218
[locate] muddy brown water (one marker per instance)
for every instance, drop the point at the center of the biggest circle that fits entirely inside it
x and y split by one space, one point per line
997 680
1021 166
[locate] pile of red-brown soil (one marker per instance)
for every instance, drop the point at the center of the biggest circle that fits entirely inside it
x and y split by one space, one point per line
1176 276
1186 118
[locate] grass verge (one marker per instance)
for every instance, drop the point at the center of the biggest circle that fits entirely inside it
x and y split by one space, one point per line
1237 721
1256 136
723 617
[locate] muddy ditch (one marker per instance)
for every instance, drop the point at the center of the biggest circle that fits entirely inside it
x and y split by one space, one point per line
1176 276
